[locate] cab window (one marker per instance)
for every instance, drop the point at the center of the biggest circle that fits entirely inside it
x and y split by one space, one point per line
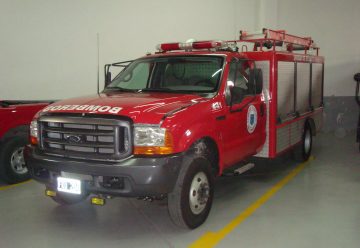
239 84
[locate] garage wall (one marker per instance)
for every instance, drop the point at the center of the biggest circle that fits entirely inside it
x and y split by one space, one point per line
49 48
49 51
334 25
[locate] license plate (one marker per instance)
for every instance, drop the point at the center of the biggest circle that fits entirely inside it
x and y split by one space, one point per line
69 185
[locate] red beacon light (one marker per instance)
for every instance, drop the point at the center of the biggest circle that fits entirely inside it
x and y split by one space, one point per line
168 46
192 45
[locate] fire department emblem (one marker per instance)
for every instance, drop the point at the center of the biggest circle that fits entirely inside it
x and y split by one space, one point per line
251 119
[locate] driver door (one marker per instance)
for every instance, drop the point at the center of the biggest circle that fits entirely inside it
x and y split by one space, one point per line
244 131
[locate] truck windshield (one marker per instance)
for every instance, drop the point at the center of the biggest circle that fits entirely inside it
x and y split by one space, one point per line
193 74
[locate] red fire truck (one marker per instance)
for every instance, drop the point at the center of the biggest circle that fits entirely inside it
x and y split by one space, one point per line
15 118
172 121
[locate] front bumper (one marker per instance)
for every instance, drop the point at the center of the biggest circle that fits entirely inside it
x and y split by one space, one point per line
132 177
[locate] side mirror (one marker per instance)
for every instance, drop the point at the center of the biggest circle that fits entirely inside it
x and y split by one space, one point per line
107 78
257 78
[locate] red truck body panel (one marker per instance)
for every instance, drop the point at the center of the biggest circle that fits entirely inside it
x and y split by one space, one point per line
13 116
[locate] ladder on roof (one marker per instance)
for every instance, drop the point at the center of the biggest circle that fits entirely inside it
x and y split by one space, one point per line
271 38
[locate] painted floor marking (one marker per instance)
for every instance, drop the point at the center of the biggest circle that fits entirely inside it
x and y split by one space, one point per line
211 239
13 185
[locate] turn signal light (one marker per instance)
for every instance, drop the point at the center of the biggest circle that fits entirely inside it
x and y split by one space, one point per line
152 150
33 140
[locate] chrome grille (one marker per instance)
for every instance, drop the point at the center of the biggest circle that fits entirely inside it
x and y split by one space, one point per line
85 138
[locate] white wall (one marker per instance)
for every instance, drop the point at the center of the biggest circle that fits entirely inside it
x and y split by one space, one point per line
335 27
48 47
49 51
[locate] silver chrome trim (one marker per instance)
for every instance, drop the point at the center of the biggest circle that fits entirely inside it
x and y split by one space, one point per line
98 138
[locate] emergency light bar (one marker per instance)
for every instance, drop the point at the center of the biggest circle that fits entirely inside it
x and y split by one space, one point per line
192 45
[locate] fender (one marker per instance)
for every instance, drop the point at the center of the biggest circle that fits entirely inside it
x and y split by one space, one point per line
17 115
22 130
199 134
19 130
196 132
195 126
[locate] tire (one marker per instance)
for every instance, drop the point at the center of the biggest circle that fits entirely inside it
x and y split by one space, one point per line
302 152
190 202
12 163
68 199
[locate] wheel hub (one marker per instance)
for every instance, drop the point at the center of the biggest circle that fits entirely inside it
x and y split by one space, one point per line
199 193
17 161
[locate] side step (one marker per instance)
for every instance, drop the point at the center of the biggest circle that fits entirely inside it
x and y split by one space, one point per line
239 170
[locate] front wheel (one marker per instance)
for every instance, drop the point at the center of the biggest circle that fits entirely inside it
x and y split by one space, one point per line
190 202
12 163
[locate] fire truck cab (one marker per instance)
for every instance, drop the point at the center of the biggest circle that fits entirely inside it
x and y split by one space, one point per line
170 122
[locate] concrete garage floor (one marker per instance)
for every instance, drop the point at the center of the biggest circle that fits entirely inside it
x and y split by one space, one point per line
319 207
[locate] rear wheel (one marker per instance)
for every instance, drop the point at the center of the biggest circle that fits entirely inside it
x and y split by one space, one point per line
12 163
302 152
190 202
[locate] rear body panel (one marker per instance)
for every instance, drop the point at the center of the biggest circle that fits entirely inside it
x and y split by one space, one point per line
293 91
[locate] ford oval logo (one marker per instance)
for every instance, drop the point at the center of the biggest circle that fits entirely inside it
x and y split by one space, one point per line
73 138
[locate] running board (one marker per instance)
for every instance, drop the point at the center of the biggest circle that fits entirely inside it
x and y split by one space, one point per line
240 170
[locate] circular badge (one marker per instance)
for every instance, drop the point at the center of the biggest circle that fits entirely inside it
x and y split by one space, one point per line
251 118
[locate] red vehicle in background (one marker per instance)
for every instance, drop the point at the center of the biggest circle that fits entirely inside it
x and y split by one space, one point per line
171 122
15 117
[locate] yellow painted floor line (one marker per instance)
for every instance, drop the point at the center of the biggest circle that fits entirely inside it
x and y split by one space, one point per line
13 185
211 239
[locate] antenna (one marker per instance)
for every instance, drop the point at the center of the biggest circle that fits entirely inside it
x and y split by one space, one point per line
98 57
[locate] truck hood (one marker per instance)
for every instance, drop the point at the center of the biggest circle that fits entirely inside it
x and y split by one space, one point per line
140 107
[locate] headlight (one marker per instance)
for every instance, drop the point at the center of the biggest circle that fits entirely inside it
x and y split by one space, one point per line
149 136
34 132
151 140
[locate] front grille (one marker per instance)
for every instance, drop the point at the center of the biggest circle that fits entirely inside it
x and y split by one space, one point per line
85 138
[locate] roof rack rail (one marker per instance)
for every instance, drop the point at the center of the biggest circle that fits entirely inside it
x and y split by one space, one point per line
271 38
